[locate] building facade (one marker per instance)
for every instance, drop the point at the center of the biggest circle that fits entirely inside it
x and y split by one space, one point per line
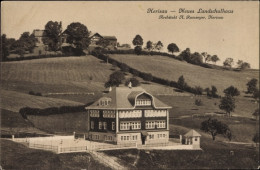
128 115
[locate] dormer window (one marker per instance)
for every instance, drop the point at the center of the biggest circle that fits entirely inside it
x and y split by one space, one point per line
104 101
143 100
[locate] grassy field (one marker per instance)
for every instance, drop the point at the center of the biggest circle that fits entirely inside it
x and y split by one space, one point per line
67 122
13 101
17 156
242 129
185 105
63 74
171 69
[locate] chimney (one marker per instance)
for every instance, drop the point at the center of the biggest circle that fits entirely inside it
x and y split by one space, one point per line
130 85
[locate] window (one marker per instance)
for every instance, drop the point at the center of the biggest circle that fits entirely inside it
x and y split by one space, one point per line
122 137
105 125
196 139
130 125
113 126
143 102
130 114
99 125
151 136
134 137
92 124
94 113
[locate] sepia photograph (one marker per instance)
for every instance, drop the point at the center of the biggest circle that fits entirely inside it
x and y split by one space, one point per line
90 85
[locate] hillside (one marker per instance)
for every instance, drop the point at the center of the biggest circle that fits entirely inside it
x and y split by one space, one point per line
171 69
55 75
13 101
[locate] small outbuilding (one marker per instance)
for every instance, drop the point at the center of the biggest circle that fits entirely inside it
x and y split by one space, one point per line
193 138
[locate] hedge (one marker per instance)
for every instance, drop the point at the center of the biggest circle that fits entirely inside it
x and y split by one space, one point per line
50 111
143 75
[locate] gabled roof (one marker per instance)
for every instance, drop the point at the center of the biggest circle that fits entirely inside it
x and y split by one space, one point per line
192 133
105 37
124 98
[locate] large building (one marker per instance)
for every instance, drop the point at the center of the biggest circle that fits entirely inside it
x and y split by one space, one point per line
129 115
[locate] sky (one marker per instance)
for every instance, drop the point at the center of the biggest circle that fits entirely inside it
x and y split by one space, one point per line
235 36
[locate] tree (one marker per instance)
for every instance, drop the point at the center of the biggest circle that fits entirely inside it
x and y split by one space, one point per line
181 83
227 104
52 37
251 85
232 91
214 91
185 55
214 58
228 62
173 48
138 40
196 58
159 46
138 50
198 90
4 48
256 94
149 45
215 127
135 82
115 79
78 36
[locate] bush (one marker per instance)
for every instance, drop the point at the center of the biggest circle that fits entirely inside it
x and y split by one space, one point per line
198 102
31 93
38 94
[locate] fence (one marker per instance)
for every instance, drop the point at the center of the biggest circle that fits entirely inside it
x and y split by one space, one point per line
110 146
73 149
44 147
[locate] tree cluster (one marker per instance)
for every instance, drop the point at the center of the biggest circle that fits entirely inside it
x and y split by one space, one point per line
212 92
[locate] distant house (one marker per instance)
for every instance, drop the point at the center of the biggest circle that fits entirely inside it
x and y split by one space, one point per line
40 48
129 115
39 35
94 38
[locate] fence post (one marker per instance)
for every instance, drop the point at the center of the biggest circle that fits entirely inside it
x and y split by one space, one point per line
74 134
180 139
12 137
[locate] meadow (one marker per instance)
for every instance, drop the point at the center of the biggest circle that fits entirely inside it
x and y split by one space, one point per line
50 75
194 75
14 101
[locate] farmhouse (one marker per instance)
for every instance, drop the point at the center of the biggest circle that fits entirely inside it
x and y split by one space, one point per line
96 37
129 115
